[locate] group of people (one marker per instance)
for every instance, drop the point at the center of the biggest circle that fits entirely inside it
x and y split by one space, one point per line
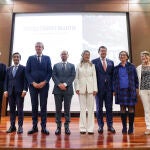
97 80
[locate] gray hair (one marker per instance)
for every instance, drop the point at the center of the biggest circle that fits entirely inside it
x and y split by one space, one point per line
39 43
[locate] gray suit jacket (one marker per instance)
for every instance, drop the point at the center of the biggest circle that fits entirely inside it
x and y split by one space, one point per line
60 75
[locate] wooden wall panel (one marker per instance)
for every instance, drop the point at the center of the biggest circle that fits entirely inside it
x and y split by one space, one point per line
139 1
16 2
70 8
5 35
139 7
140 34
140 41
3 2
6 8
5 38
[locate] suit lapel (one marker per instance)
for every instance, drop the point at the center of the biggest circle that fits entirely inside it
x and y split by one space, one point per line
108 64
67 66
35 57
11 69
42 58
101 66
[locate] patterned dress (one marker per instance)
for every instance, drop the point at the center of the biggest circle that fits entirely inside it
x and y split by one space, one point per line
145 78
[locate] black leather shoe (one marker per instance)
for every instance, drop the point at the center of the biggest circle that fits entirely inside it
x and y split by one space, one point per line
82 132
111 129
124 131
58 131
45 131
91 133
100 130
130 131
67 131
11 129
20 130
33 130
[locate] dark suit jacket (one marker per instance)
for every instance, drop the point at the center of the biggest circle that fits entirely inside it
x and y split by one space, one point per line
63 76
2 75
17 83
38 72
103 77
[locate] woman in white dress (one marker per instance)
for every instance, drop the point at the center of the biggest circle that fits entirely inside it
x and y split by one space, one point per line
86 88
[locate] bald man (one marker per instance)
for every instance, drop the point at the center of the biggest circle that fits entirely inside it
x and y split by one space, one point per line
63 76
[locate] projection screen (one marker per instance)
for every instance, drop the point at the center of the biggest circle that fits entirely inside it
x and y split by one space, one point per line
73 32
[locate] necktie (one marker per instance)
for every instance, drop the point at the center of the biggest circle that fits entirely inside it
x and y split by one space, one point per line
14 71
104 65
63 66
38 59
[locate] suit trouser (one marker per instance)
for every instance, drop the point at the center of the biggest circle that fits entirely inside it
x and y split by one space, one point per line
145 97
14 100
1 99
107 97
37 94
59 98
86 102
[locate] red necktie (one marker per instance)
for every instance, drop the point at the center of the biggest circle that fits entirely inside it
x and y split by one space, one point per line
104 65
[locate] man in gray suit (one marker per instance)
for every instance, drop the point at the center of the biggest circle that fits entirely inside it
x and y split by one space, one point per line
63 76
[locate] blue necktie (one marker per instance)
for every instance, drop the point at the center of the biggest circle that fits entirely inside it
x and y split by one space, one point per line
63 66
38 59
14 71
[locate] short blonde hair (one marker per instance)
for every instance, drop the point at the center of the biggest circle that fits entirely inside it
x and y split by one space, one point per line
145 53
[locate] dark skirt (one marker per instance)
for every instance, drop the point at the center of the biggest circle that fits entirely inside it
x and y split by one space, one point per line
124 98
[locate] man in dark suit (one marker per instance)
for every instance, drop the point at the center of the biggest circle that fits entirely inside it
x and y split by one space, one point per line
2 78
63 76
15 89
38 73
104 71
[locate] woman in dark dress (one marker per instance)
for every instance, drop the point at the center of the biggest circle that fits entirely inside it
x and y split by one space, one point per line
125 85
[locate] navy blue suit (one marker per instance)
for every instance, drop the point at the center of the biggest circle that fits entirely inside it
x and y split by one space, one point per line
37 72
2 78
15 86
105 92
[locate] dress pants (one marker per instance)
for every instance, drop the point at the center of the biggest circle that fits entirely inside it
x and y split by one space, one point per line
59 99
1 99
14 100
145 97
107 98
37 94
86 102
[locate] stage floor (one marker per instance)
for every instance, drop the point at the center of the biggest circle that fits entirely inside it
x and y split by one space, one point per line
74 141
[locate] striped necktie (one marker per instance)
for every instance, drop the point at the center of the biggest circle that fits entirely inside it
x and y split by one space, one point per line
104 65
14 71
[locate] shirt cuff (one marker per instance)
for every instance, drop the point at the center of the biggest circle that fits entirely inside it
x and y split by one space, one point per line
65 84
